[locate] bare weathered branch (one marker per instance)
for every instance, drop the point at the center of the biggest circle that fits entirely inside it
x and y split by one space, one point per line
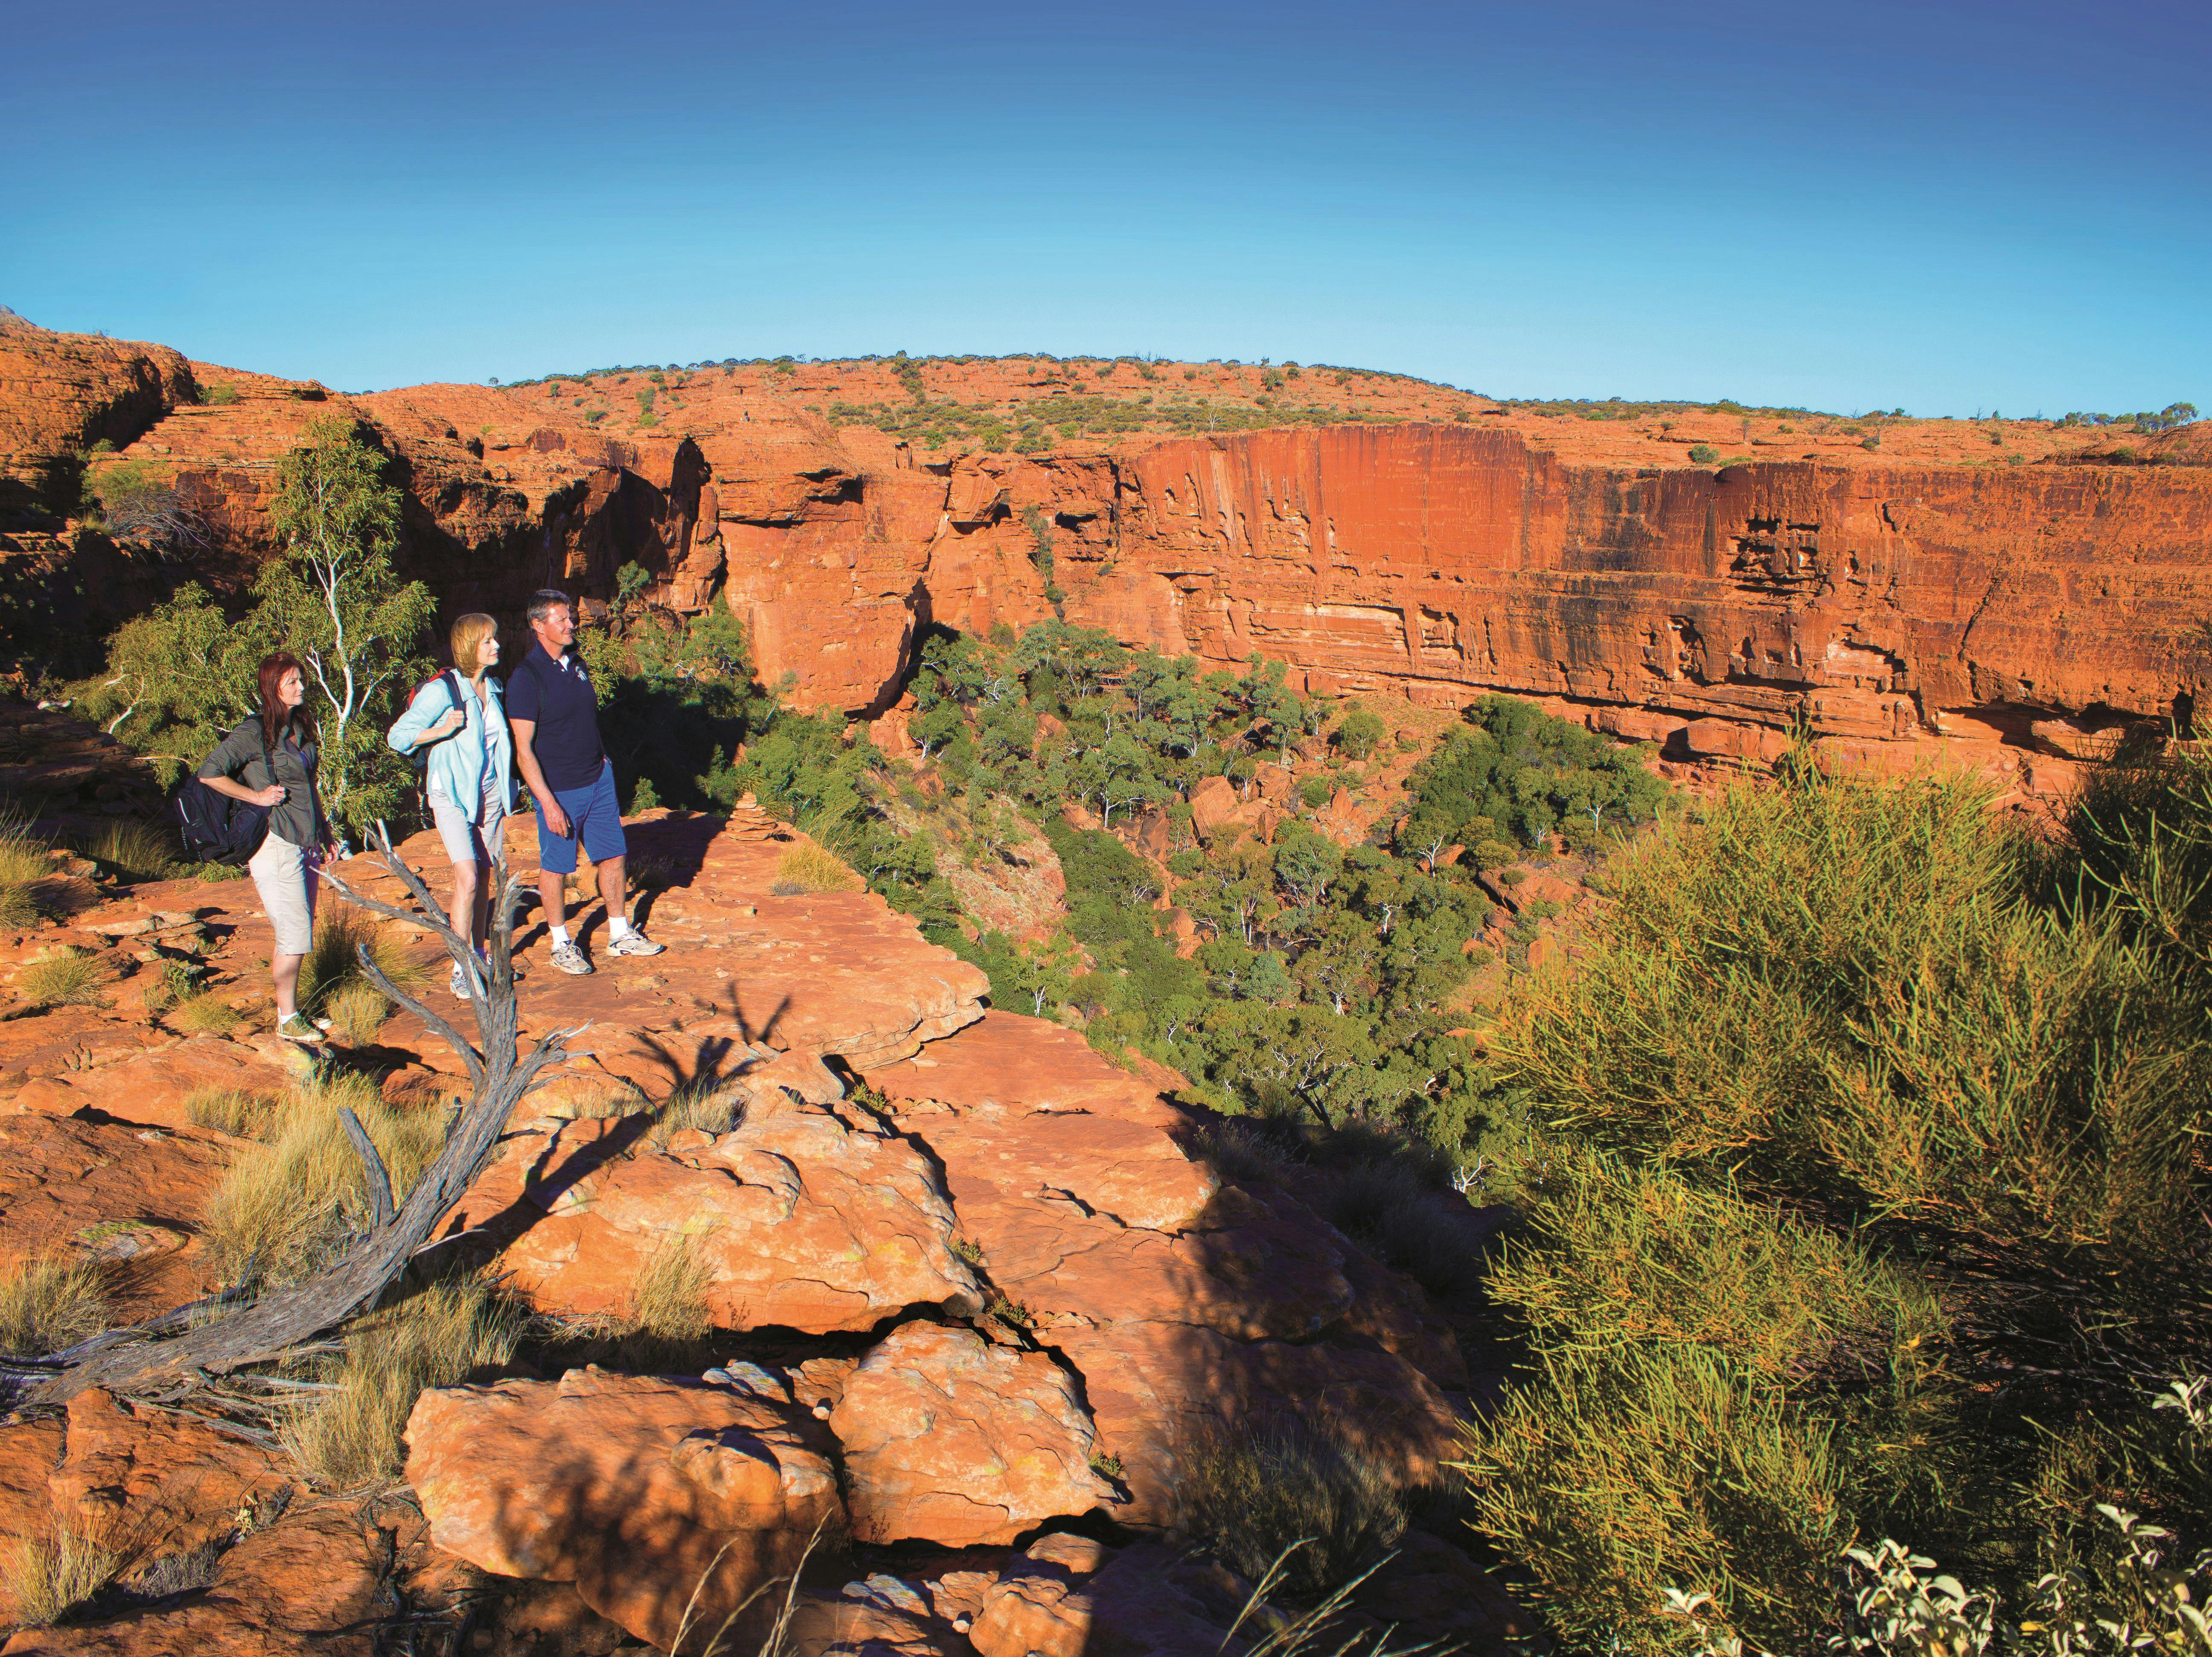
283 1322
379 1180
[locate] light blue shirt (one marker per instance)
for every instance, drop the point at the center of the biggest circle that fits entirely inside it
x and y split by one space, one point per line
482 749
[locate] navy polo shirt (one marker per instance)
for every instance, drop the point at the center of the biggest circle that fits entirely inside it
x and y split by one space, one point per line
557 695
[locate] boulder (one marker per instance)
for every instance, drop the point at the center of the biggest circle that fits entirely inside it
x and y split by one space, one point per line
806 1217
644 1491
948 1439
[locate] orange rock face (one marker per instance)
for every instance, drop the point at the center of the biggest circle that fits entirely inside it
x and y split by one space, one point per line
1949 587
63 392
803 1217
951 1439
637 1490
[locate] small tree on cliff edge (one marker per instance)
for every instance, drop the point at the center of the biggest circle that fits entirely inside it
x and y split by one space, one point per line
333 599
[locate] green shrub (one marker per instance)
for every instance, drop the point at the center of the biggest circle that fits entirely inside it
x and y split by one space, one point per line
1856 1099
1315 793
1358 731
1703 454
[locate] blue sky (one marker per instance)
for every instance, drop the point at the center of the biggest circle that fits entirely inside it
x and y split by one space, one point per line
1943 207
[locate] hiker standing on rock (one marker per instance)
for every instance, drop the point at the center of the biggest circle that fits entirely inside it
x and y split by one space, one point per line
460 717
269 760
556 720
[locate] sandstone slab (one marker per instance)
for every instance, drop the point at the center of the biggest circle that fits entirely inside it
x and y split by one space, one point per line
151 1481
1154 1389
128 1200
951 1439
806 1217
314 1581
152 1088
637 1489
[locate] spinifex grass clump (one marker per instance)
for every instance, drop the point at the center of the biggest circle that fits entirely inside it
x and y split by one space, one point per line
1867 1195
289 1203
351 1436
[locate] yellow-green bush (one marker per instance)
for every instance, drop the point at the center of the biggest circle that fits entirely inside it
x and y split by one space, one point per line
1862 1162
47 1306
812 869
73 977
333 965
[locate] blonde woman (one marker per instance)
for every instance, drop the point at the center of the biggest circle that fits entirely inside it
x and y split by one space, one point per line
461 717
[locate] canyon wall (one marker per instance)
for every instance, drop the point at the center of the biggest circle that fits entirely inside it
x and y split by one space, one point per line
1879 602
1886 605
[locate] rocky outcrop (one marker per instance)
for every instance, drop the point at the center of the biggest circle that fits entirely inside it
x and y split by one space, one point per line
61 393
655 1497
950 1439
1923 587
804 1217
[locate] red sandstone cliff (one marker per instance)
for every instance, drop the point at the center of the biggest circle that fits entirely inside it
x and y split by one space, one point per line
1913 598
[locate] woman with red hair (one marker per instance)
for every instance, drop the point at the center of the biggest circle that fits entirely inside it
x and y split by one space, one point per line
269 762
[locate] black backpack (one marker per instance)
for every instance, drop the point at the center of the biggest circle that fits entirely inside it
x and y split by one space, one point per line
217 829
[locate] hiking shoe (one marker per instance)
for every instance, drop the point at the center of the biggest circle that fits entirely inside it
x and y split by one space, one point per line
459 983
296 1028
570 959
635 942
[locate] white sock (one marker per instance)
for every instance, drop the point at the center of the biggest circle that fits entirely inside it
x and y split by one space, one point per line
559 935
619 928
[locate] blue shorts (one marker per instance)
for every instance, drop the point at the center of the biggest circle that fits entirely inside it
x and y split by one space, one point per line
593 818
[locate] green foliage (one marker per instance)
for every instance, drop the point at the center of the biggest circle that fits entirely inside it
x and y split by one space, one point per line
1703 454
1519 777
1863 1130
1359 732
178 678
181 675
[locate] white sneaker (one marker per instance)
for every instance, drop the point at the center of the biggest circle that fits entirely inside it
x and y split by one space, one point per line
634 942
459 983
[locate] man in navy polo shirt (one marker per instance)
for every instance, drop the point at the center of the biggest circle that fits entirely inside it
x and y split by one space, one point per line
555 719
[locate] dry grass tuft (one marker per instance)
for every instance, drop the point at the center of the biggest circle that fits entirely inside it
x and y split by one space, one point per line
49 1576
26 871
203 1015
437 1338
334 964
811 869
287 1206
51 1305
1252 1496
357 1011
669 1301
242 1115
707 1107
72 980
135 850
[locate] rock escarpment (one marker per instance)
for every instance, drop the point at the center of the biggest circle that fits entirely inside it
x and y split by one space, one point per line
1924 604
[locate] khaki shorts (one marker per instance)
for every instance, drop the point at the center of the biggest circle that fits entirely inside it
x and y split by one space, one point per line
284 875
476 842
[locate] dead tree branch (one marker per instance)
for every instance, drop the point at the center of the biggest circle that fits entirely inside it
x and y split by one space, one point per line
282 1320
